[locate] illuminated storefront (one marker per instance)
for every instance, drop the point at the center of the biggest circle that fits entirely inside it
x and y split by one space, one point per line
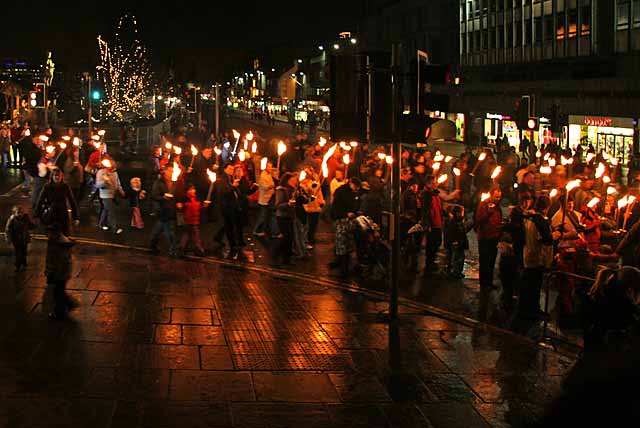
612 135
499 126
457 118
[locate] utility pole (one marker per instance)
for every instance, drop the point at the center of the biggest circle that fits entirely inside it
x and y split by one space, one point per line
395 185
87 76
217 95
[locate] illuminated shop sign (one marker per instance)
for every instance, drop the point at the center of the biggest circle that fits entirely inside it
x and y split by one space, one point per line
598 121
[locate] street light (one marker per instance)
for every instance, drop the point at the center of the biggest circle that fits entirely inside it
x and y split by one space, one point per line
321 47
354 41
336 46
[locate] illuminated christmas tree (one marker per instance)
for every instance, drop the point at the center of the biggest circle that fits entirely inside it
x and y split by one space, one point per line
124 70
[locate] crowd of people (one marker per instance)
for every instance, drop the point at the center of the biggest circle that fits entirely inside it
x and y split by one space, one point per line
540 209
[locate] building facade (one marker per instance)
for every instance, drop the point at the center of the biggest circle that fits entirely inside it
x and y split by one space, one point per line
579 57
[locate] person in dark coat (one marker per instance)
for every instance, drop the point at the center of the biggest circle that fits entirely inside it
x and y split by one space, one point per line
346 203
57 196
198 172
231 195
17 234
165 210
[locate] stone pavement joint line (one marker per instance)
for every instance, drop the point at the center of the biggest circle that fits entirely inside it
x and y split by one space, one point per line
162 342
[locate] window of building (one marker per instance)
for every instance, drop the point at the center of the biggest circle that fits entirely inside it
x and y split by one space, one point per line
463 43
573 23
477 8
478 41
636 13
492 5
560 30
622 16
492 38
548 28
470 9
500 5
528 39
501 37
585 20
518 28
509 41
463 12
537 30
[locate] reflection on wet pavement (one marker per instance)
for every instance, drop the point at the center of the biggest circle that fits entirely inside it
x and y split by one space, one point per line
161 342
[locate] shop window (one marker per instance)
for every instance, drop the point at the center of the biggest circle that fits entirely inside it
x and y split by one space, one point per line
585 20
560 29
573 24
548 28
622 15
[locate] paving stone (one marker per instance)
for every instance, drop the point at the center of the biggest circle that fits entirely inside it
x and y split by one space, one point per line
405 416
294 387
189 302
261 415
453 415
449 387
365 416
128 384
203 335
168 357
162 414
191 316
168 334
55 412
187 385
215 358
358 388
510 413
114 285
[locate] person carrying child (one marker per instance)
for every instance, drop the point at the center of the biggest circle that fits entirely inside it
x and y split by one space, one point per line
17 234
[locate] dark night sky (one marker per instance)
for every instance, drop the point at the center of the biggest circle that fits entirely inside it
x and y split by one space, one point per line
211 37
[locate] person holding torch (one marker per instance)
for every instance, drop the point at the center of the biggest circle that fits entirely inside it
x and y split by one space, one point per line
165 210
488 225
108 183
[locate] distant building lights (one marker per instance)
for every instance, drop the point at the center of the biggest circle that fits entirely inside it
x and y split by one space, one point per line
321 47
336 46
354 41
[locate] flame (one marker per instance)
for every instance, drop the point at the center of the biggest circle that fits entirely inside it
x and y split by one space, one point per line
302 176
76 142
438 152
496 172
168 146
382 156
552 162
590 157
611 190
322 142
102 132
176 172
485 197
63 145
546 170
254 147
66 138
622 202
96 144
482 156
263 164
43 138
353 144
330 152
246 144
448 159
435 166
606 179
194 151
388 160
106 163
217 150
50 149
593 202
282 148
600 170
249 136
236 134
211 175
553 193
614 162
570 161
27 132
438 158
563 160
346 159
177 150
95 138
546 156
443 178
605 156
242 155
456 172
538 154
631 199
572 185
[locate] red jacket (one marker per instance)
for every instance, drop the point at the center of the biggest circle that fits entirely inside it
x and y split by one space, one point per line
191 211
488 221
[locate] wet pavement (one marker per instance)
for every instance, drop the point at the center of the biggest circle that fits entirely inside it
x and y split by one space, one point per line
159 342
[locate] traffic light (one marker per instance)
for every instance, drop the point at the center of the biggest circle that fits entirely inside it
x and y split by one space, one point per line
96 95
33 99
532 123
523 112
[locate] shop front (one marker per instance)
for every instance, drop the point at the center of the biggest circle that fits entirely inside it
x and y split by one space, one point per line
611 135
500 126
457 118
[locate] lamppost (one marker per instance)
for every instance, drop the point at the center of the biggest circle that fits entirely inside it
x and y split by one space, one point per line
87 77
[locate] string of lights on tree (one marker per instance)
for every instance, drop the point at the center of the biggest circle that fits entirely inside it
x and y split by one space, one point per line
124 70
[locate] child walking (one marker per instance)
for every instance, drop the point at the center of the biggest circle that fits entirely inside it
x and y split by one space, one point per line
135 196
17 234
191 208
456 242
